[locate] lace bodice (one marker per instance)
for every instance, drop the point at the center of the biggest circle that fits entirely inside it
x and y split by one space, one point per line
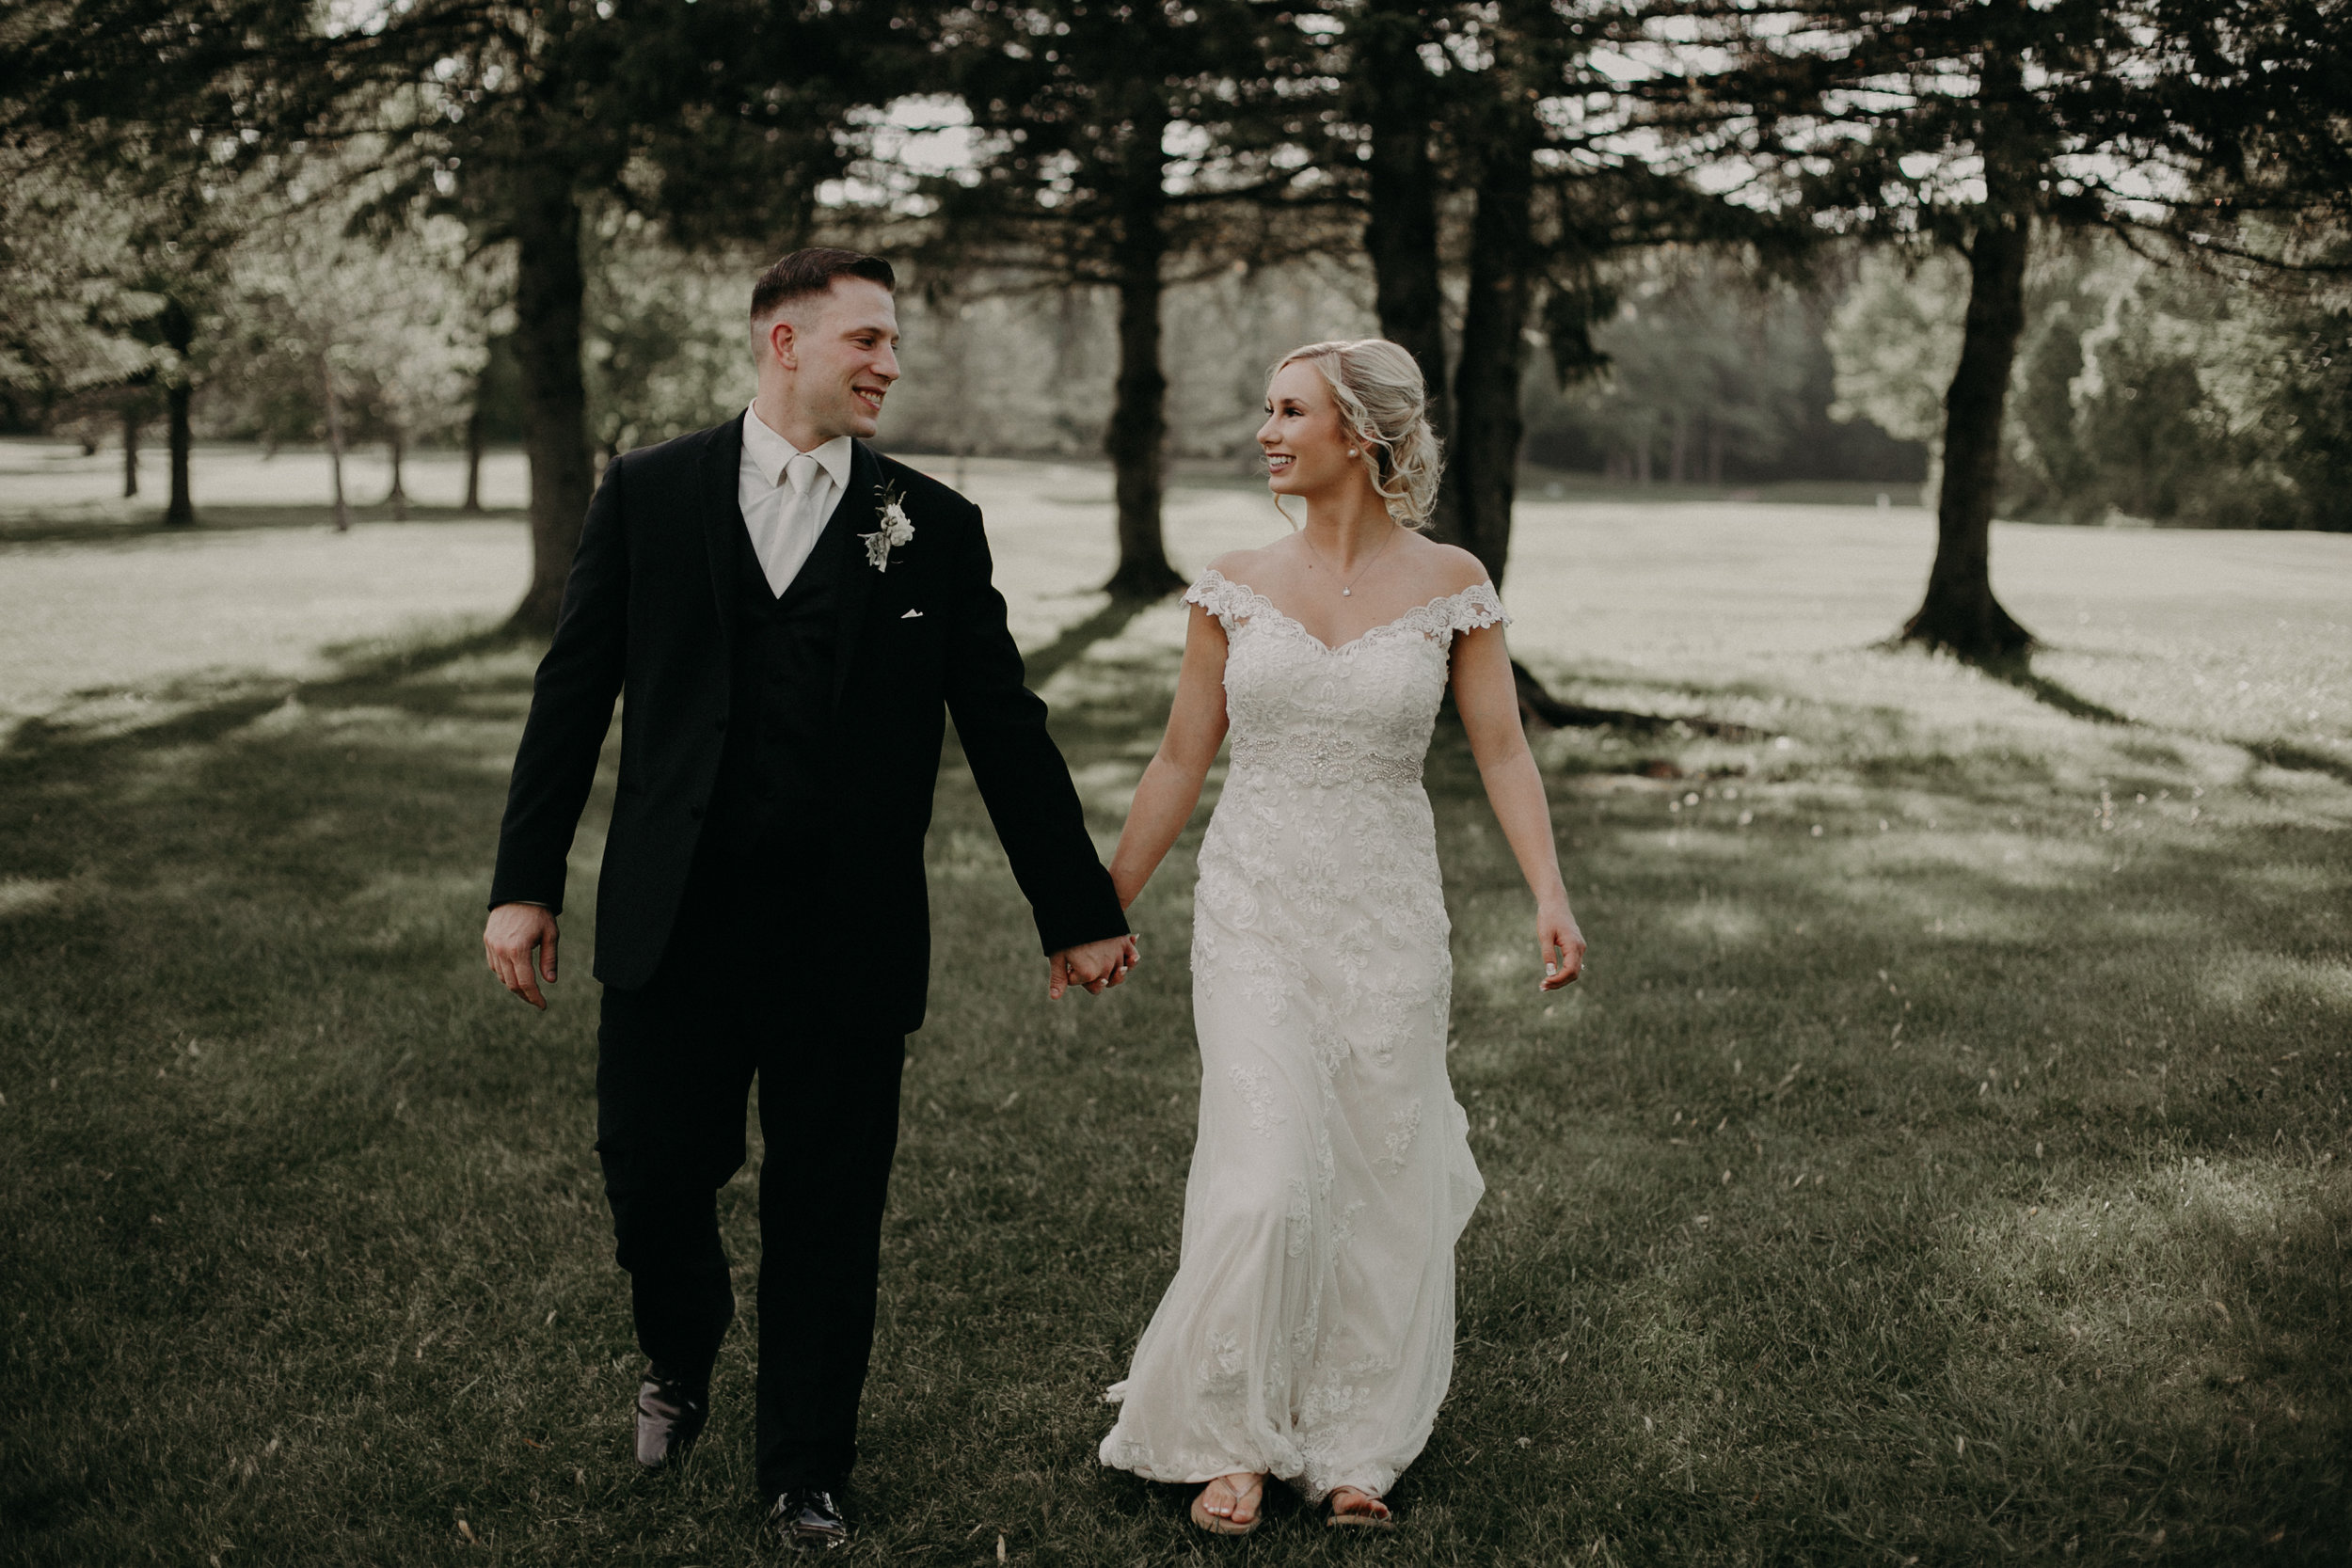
1356 714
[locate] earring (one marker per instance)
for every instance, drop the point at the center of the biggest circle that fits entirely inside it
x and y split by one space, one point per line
1351 451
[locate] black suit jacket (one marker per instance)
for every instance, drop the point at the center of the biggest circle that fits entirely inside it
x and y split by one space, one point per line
648 613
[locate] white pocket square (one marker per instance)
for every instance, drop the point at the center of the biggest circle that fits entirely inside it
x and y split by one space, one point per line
911 614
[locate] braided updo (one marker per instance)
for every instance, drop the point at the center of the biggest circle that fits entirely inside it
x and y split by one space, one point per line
1384 407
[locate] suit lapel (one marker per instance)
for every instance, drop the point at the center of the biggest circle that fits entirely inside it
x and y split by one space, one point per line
859 512
722 517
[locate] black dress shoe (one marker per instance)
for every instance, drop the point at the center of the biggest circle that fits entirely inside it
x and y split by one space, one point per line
808 1516
669 1416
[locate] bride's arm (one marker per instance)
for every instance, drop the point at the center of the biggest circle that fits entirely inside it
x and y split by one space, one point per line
1172 786
1488 701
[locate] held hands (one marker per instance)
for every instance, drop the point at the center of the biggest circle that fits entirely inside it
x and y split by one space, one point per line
513 933
516 932
1561 945
1094 965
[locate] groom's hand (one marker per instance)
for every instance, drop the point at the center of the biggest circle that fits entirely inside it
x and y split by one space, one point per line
1094 965
513 931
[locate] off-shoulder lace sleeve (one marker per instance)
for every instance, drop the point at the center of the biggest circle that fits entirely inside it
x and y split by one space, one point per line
1468 611
1475 607
1227 600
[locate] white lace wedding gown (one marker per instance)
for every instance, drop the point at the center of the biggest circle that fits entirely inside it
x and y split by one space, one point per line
1309 1333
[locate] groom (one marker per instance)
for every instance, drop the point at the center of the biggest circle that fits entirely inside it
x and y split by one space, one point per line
791 617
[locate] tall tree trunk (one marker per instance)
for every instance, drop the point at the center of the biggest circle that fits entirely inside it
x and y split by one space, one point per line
179 510
473 456
130 451
548 287
1137 438
1397 101
335 440
179 329
397 498
1493 364
1960 611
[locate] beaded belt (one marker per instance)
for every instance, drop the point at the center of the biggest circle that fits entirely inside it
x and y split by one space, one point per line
1324 759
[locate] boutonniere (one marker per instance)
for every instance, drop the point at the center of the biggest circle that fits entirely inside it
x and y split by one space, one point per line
895 531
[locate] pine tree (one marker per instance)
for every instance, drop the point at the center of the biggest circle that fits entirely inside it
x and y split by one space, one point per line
2189 126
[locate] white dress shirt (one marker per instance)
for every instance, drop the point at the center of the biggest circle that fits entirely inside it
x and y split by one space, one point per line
785 516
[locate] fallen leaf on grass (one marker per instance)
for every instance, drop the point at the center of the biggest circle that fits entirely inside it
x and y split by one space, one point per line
467 1531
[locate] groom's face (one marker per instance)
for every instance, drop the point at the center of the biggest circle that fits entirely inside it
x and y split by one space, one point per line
843 352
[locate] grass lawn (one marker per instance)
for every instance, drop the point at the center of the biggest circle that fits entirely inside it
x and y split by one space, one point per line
1943 1160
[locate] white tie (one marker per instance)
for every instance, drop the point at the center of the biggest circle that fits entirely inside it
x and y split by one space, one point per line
800 474
797 529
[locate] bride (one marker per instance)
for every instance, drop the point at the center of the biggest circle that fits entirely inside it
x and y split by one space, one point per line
1309 1333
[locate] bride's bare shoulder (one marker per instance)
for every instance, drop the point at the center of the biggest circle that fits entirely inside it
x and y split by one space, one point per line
1245 566
1444 569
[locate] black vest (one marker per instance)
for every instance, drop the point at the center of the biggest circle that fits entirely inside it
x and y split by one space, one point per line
773 788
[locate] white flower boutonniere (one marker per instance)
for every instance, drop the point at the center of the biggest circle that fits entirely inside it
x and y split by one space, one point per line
895 531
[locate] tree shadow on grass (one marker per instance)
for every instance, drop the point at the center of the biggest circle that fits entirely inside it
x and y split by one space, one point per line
208 709
2306 759
1538 705
2008 1097
287 1147
2018 671
1071 645
277 1145
1876 1194
307 1169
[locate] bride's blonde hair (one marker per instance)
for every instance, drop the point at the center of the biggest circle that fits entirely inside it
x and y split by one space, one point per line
1384 406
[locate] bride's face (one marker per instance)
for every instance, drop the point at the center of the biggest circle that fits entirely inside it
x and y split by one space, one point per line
1305 442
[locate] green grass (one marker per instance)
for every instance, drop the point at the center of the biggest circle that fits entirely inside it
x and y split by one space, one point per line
1963 1181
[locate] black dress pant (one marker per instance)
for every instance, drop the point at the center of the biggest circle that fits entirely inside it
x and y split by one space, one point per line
746 988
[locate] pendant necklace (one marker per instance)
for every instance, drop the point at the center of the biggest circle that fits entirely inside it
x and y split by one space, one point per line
1347 589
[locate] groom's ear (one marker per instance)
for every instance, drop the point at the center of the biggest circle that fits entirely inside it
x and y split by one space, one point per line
782 342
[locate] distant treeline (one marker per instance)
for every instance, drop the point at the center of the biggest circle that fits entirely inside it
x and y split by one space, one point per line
2143 393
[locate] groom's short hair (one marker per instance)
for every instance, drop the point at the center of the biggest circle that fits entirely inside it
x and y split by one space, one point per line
811 271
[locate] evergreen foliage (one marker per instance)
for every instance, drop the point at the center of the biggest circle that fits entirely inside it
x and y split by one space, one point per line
2213 127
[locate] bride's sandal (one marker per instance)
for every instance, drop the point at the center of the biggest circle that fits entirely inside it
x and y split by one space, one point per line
1354 1507
1252 1498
